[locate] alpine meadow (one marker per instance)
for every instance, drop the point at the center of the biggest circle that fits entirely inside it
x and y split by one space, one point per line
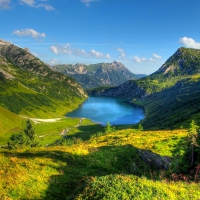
138 62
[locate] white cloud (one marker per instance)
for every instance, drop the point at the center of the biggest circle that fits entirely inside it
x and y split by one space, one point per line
156 56
4 4
29 32
143 59
46 6
28 2
87 2
96 54
33 3
189 42
122 53
137 59
151 60
67 49
54 62
54 49
108 56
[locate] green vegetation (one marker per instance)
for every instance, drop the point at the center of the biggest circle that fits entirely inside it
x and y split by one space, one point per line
9 123
128 187
103 167
174 107
29 87
71 158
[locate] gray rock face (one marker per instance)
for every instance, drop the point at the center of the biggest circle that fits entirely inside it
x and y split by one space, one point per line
154 160
97 75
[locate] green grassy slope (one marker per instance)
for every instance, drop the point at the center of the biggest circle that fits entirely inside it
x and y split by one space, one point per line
29 87
174 107
9 123
104 167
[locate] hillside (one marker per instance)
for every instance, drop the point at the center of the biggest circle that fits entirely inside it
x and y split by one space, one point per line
98 75
29 87
9 123
124 164
174 107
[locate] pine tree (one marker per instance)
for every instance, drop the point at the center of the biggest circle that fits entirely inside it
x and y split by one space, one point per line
29 130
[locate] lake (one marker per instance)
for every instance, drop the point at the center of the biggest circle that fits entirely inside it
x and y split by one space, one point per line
107 109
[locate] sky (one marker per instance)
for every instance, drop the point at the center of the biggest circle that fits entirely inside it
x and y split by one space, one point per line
141 34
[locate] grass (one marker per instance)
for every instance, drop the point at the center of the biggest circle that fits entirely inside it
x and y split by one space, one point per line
46 132
103 167
49 132
128 187
9 123
38 95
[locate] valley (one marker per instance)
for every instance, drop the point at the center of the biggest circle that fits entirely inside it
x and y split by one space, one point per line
46 155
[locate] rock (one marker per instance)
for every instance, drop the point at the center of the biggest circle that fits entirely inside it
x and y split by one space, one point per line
154 160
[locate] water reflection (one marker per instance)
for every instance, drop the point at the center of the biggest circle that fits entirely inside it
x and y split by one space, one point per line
106 109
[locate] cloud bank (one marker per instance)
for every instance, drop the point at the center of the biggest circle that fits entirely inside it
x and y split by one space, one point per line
143 59
29 32
189 42
33 3
69 50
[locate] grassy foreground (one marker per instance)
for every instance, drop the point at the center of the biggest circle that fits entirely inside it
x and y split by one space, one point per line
106 166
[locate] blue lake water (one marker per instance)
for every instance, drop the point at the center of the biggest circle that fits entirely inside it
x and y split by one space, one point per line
107 109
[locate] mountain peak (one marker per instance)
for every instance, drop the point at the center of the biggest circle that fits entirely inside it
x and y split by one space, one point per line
185 61
2 42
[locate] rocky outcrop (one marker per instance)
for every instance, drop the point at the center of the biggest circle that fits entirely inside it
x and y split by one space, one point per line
154 160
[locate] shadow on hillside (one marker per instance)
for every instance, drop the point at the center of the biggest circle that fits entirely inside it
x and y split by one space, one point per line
74 169
85 131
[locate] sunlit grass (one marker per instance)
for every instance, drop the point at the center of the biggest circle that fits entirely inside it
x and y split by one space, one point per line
98 168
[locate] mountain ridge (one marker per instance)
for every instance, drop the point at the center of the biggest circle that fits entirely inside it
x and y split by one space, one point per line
97 75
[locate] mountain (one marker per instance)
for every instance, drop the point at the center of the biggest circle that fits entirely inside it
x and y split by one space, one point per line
161 90
29 87
98 75
185 61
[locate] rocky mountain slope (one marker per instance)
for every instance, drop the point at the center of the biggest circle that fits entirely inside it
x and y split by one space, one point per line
98 75
184 61
29 87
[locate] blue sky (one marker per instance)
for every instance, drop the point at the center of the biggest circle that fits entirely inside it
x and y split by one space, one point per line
142 34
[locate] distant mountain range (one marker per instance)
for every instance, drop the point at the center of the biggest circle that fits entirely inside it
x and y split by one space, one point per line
29 87
173 89
98 75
